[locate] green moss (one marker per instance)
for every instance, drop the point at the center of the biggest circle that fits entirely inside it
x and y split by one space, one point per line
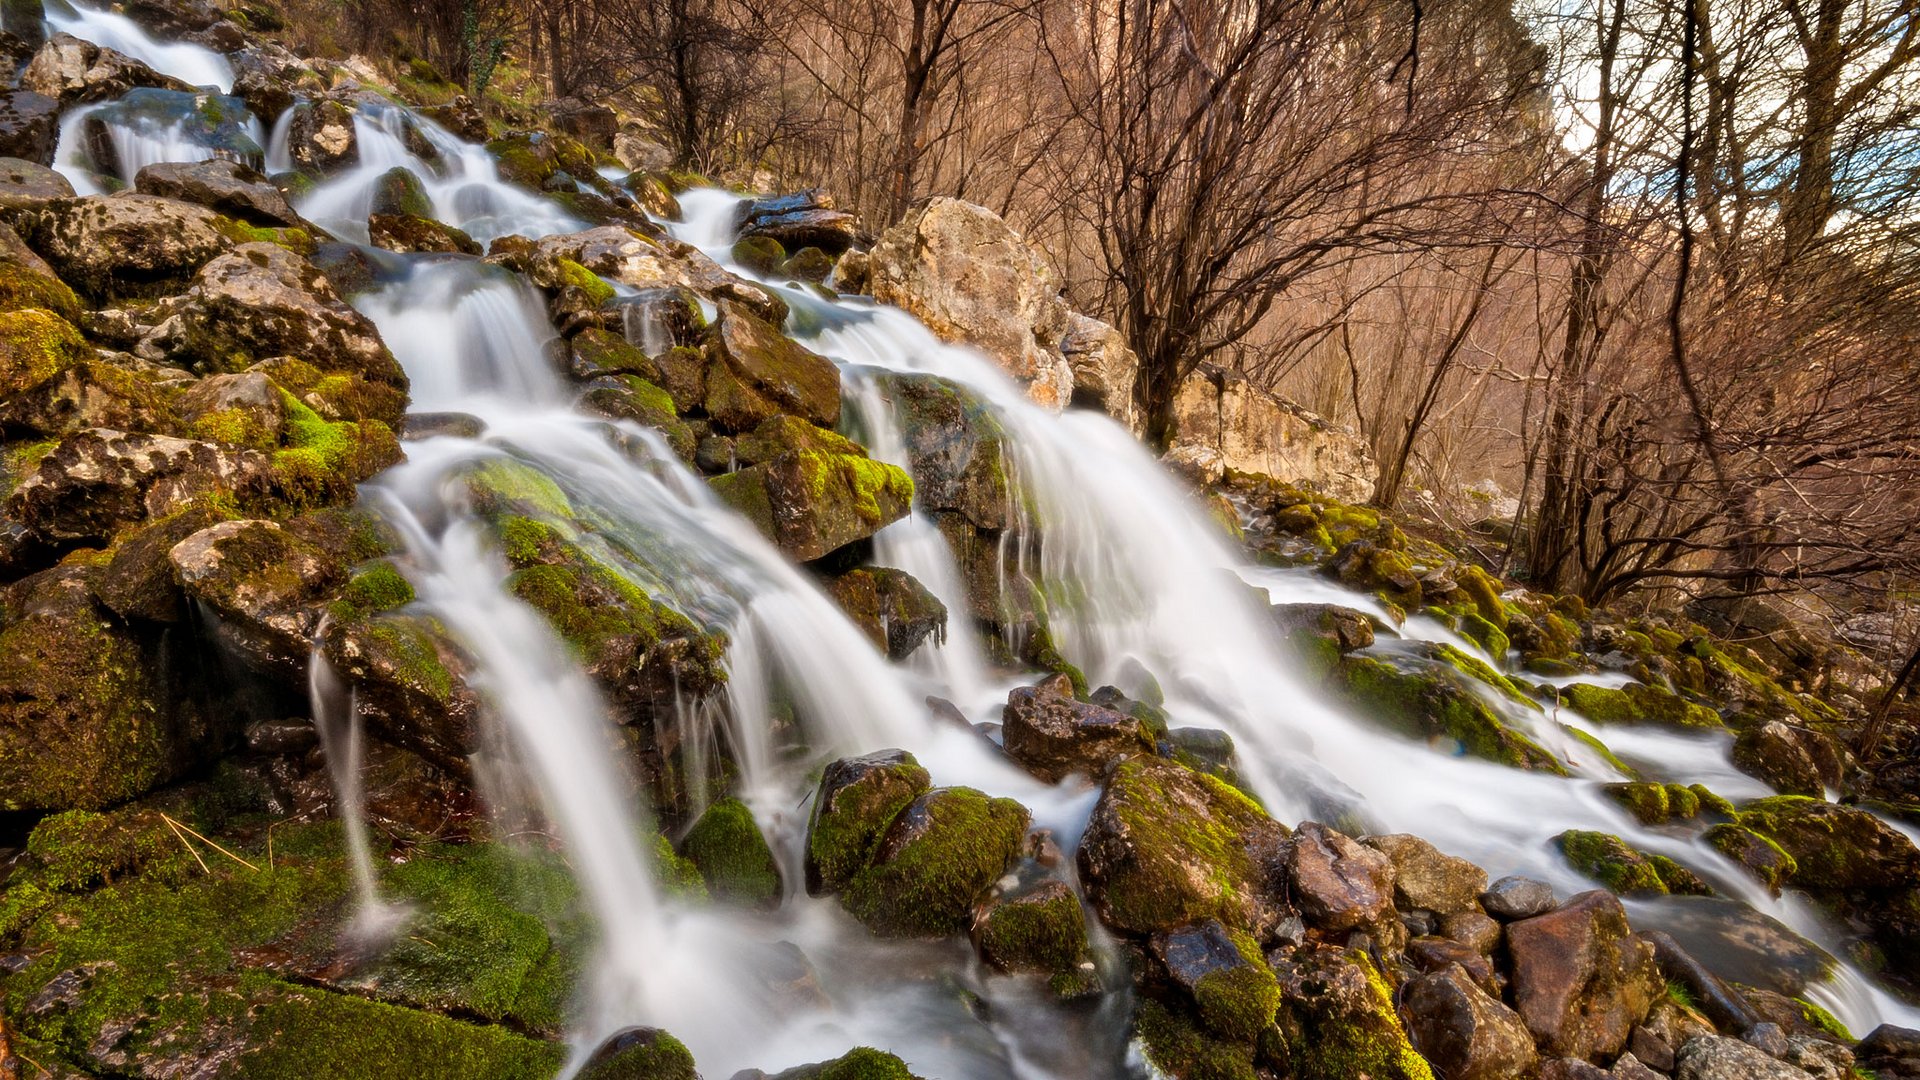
380 587
678 876
1429 705
575 276
21 287
79 849
927 886
1601 749
1343 1025
1239 1002
863 1063
1177 1046
842 836
1624 870
1639 703
234 427
1042 931
36 345
412 653
1485 634
324 460
527 541
1177 819
321 1034
1655 803
294 239
1821 1019
1712 804
657 1056
503 483
732 856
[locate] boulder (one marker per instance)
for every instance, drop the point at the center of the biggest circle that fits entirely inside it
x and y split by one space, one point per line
124 246
1767 861
98 481
1038 928
321 137
1626 870
800 220
941 854
26 184
138 582
1893 1053
860 1063
95 393
1477 931
637 152
261 300
29 125
1712 1057
36 345
811 491
1426 878
896 612
1581 978
639 1053
267 587
733 858
972 279
1439 700
399 191
1338 883
85 719
1255 431
1337 1018
855 805
955 448
759 372
1167 846
1834 846
1788 758
1105 368
408 684
1435 954
1463 1032
270 79
1053 735
72 71
229 187
1222 971
412 233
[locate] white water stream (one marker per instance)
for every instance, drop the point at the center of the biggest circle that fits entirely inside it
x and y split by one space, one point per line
1138 581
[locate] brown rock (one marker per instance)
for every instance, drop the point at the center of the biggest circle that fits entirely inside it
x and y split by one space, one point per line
1581 978
1339 883
1053 735
1463 1032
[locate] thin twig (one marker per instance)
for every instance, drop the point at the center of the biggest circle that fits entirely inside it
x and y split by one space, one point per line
212 845
171 824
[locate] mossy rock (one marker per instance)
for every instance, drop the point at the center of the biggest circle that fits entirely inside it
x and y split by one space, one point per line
854 807
324 461
941 854
1039 929
1175 1043
732 856
631 397
1655 803
1765 860
1833 846
24 287
1223 971
812 491
640 1053
1435 704
859 1063
399 191
36 344
761 255
1624 870
1167 846
1337 1018
1485 634
1638 703
334 396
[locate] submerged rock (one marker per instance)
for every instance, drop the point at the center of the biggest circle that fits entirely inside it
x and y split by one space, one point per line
1167 846
219 124
1437 704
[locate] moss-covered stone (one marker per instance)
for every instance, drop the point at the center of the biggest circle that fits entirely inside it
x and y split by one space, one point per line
859 1063
1167 846
940 855
1484 634
1625 870
761 373
732 855
1759 856
1833 846
759 254
324 461
855 806
24 287
1656 803
1431 704
1174 1042
630 397
813 491
1337 1018
640 1053
1638 703
36 344
1233 991
1039 929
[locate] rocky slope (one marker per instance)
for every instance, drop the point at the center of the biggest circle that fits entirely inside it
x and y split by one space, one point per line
189 398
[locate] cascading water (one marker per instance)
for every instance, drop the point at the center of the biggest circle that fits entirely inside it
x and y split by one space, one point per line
105 145
191 64
461 179
1138 579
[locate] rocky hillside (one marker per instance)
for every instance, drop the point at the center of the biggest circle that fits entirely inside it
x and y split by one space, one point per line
190 399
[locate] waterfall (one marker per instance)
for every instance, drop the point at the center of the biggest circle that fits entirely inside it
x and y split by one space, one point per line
191 64
131 138
461 179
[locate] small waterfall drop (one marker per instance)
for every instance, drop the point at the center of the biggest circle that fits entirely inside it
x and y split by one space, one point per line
191 64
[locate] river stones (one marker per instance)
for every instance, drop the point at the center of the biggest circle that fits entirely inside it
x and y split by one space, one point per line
1713 1057
856 803
1037 927
732 856
809 490
1465 1033
1426 878
942 852
1338 883
1581 979
72 71
1516 897
894 610
760 372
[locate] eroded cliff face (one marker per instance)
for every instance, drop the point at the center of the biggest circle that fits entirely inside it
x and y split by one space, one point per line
1254 431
